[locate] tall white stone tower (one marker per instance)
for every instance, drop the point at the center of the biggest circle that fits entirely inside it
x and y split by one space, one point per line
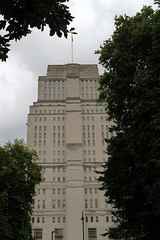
67 129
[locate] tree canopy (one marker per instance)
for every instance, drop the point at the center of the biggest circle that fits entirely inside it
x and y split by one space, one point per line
18 178
19 17
130 88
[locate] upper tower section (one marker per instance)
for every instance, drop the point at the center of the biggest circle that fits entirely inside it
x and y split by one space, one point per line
70 81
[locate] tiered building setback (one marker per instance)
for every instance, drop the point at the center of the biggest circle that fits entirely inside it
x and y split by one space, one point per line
67 129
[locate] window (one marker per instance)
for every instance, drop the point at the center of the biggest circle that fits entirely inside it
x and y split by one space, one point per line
91 219
53 219
43 219
91 203
85 190
43 204
96 218
53 190
44 191
90 190
64 190
64 219
59 219
96 203
58 233
38 204
53 203
38 191
38 233
86 219
64 203
58 203
35 128
92 233
86 203
107 219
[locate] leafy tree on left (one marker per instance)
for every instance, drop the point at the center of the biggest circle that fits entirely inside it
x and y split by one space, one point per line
20 16
19 174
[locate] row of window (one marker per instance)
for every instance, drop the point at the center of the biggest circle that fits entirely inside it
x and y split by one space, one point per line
90 179
91 203
59 219
59 135
58 160
49 111
88 135
55 89
55 204
58 179
54 111
89 169
92 233
63 191
54 119
92 118
63 219
92 160
90 89
54 83
89 152
63 160
87 96
55 96
86 82
58 169
62 128
59 203
90 190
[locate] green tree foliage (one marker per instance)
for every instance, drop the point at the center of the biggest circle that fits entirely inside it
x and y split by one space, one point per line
20 16
130 87
18 178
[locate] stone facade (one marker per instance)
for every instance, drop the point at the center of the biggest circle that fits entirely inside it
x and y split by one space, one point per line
67 129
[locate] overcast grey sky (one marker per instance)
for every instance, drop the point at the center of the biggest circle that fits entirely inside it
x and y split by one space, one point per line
28 58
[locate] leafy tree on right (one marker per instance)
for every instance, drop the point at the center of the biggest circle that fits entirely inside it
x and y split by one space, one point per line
130 88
